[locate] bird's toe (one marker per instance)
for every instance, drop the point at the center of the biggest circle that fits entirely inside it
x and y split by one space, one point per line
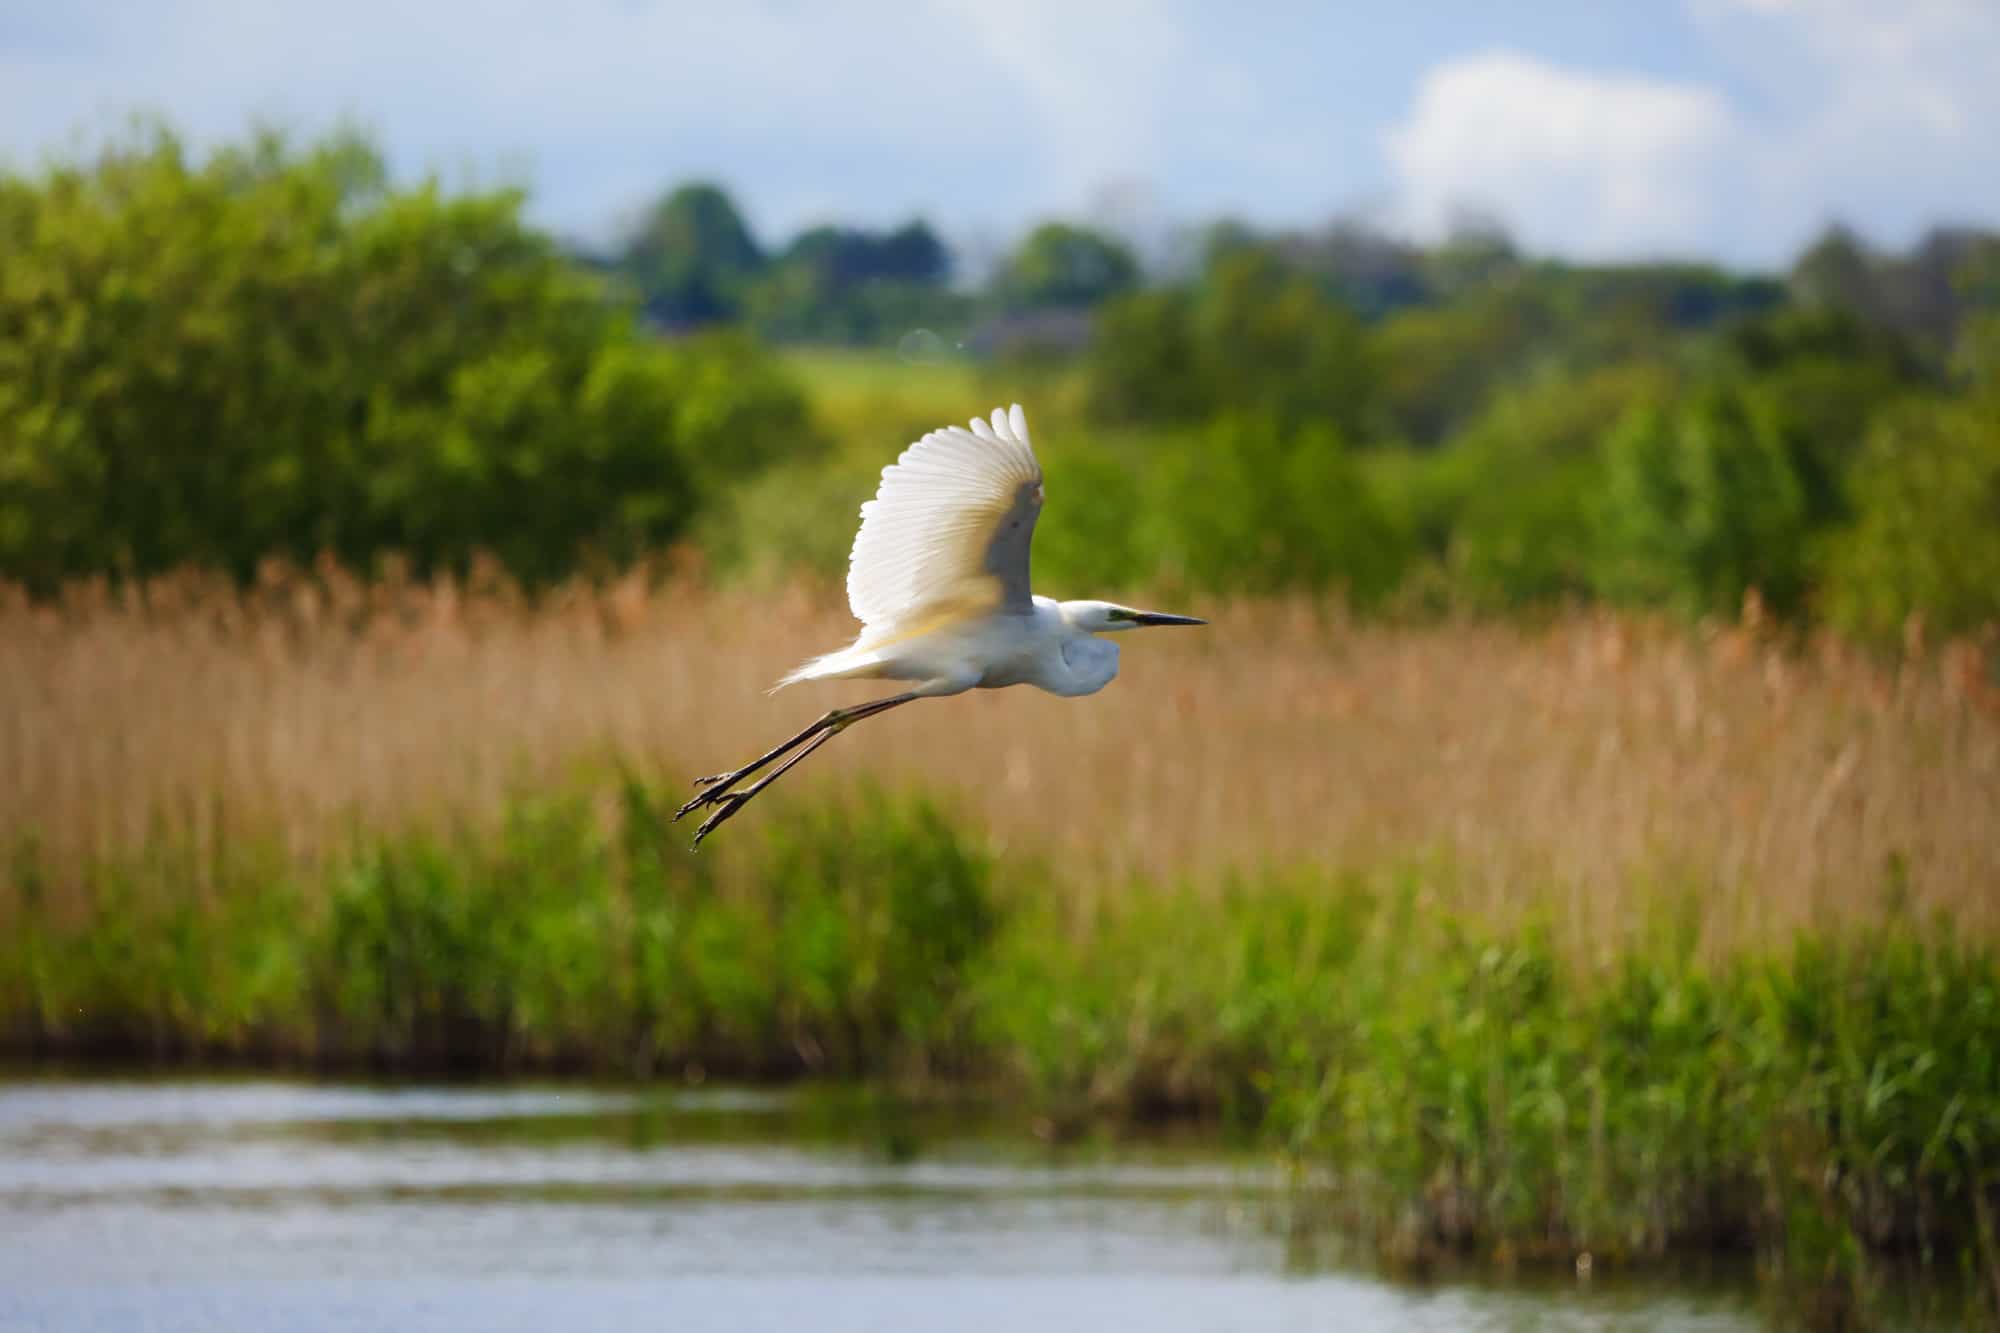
699 801
726 805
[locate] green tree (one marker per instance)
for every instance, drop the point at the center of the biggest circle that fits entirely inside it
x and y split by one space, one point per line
1251 506
1836 272
1478 254
271 351
846 285
1272 342
1255 336
1927 535
1061 265
1822 375
693 257
1976 356
1701 504
1505 505
1143 363
1441 365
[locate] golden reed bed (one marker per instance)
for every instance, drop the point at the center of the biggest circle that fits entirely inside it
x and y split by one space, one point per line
1576 767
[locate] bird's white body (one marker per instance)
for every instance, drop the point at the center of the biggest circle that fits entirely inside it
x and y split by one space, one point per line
1048 647
939 581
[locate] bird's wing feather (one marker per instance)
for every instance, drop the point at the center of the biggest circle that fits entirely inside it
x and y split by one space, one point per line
950 525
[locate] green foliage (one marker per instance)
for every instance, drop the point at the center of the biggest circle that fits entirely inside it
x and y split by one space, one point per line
270 352
1821 378
844 285
692 257
562 938
1927 537
1144 362
1247 506
1463 1088
1835 273
1272 342
273 352
1243 505
695 264
1441 364
884 908
1252 337
155 969
1504 513
1924 296
1102 537
1063 265
1702 505
1472 1090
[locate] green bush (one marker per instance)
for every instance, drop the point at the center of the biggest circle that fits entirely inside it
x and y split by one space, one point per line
565 937
1252 337
1248 506
1503 511
1466 1088
1702 504
1926 538
1062 265
272 351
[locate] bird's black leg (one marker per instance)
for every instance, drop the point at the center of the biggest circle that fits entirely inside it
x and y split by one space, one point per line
728 803
717 787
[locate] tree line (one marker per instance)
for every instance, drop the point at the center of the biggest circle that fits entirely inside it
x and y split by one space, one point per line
274 349
1464 424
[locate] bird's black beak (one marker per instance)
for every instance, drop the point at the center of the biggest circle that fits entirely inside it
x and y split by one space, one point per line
1162 618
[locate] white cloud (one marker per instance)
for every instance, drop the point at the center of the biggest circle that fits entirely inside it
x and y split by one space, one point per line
1881 114
1589 164
1876 114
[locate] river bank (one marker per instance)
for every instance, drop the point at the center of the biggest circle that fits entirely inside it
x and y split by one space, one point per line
1444 1087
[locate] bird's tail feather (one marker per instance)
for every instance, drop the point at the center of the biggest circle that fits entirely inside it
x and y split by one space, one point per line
846 664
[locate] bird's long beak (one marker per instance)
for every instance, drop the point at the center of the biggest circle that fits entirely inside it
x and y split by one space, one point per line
1162 618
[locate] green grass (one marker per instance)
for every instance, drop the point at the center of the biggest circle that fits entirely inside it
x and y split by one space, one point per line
880 400
580 934
1447 1090
1460 1091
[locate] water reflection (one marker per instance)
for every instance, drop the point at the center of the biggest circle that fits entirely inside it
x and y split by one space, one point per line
267 1204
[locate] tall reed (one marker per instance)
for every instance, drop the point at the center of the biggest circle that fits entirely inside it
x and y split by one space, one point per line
1566 767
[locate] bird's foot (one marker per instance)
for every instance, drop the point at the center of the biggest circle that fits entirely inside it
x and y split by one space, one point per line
726 804
708 796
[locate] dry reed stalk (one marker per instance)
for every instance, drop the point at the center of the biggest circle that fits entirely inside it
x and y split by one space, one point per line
1591 760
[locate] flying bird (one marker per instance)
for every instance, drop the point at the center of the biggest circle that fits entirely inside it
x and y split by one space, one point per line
939 581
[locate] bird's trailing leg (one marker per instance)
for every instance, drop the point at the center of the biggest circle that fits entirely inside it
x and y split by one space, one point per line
729 802
717 789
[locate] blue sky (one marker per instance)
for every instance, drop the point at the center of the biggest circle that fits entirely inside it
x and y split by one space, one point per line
1730 129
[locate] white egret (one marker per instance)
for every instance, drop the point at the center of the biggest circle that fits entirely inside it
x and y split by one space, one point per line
939 581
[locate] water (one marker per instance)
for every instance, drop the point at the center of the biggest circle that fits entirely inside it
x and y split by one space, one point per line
273 1205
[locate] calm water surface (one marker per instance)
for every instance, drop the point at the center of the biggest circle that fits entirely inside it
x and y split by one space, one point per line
271 1205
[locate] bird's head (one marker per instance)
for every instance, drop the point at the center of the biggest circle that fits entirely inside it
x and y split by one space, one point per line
1109 617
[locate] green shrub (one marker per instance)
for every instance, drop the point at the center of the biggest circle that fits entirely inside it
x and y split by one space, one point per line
1468 1088
1702 504
1248 506
273 352
1252 337
1926 538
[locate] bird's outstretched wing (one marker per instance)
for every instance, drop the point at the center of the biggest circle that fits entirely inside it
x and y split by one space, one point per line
949 527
